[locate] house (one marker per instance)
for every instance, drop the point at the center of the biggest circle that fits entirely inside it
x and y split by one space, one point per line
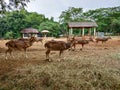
27 32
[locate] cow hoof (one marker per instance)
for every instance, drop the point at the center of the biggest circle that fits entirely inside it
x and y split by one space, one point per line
81 49
49 60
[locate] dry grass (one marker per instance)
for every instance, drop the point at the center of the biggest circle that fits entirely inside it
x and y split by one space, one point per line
94 68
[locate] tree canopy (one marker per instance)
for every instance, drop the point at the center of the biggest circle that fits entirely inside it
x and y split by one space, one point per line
106 18
12 4
12 22
72 14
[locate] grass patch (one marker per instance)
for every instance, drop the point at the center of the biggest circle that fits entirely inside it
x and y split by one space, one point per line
70 74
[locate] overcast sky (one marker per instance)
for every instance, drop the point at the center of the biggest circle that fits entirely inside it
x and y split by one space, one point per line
55 7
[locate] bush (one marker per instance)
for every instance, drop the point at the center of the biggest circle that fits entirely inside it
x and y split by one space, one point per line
9 35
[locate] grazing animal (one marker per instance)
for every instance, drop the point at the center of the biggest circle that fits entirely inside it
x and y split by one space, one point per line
90 39
19 44
41 40
80 41
103 39
57 46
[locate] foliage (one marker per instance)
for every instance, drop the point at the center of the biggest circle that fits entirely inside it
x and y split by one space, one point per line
115 26
9 35
12 5
72 14
51 26
13 21
17 20
105 18
34 19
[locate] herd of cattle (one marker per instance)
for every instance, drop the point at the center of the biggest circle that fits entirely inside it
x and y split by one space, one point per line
52 45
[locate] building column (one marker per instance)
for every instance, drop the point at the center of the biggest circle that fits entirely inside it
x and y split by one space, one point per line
79 32
83 31
71 31
89 31
94 31
23 35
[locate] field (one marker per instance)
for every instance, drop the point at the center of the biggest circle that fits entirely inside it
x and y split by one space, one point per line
96 67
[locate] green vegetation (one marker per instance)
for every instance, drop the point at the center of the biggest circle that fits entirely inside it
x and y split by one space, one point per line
12 5
17 20
14 21
106 18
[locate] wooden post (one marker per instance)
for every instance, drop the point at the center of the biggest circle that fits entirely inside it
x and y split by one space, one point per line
94 31
70 31
23 35
83 31
79 32
90 31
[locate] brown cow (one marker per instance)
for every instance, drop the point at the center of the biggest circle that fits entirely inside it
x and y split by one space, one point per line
19 44
57 46
102 39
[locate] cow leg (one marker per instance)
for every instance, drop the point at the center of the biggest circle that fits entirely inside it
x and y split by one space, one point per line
6 54
74 46
26 56
41 42
82 47
60 54
9 50
102 42
96 42
47 54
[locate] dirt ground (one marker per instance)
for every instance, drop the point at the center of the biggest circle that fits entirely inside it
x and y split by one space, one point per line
36 53
100 58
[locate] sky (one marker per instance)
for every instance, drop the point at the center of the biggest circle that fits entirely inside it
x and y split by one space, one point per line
53 8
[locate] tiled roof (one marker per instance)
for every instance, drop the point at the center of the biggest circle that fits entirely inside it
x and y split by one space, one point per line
82 24
29 30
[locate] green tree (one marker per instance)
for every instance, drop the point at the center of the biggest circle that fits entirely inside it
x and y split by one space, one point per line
104 17
12 5
3 27
9 35
53 27
115 26
34 19
15 21
72 14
